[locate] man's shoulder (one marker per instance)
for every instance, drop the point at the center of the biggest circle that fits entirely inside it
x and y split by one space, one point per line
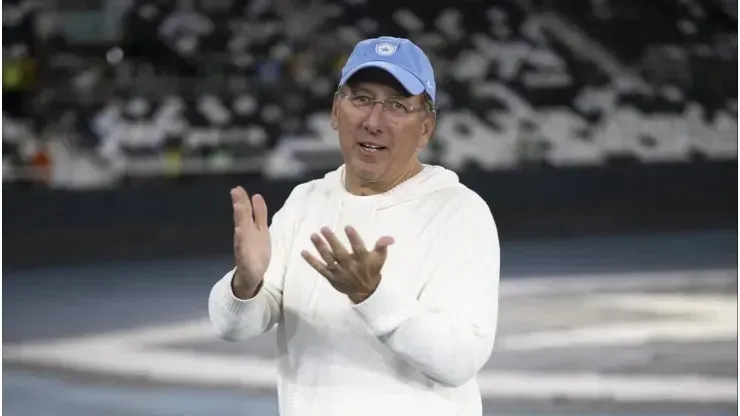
467 215
301 195
462 199
304 190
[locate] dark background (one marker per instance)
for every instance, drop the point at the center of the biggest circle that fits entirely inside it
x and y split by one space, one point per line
193 217
80 188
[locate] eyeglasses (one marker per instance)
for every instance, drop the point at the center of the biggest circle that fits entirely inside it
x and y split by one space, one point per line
392 105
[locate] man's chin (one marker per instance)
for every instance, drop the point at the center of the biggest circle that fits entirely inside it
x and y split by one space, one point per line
367 172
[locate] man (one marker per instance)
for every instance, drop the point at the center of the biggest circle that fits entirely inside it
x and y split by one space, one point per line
399 327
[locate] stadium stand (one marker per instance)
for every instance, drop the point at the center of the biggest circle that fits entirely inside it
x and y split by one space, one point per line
230 86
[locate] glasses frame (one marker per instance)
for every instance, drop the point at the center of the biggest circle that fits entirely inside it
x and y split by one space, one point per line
409 110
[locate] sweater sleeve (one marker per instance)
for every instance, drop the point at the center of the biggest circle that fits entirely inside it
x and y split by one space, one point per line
448 332
235 319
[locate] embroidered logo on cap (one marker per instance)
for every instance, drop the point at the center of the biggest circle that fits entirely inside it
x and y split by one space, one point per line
385 49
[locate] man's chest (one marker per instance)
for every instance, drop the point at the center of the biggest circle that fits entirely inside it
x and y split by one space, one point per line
409 260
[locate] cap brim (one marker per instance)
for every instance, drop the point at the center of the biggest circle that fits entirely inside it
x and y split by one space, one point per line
408 80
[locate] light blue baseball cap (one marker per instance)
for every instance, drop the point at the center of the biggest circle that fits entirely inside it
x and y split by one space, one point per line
400 57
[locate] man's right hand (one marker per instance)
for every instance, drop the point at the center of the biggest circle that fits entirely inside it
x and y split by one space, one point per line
251 243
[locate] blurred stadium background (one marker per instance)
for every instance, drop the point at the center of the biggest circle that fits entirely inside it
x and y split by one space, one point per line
603 134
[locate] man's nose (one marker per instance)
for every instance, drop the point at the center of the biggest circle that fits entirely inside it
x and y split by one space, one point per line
374 119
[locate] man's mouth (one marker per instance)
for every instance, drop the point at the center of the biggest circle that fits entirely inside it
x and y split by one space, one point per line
371 147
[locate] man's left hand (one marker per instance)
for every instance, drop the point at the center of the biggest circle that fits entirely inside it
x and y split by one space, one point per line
356 273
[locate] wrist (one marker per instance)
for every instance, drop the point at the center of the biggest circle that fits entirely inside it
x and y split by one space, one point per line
361 296
242 290
358 298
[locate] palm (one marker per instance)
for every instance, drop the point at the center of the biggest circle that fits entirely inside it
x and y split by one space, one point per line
252 247
368 264
355 273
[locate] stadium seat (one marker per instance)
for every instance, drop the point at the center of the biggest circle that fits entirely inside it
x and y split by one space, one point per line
245 83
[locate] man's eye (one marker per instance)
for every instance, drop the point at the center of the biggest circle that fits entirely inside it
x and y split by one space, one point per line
360 99
396 106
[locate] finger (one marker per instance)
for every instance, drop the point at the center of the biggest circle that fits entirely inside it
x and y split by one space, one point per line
242 206
381 246
238 214
235 206
323 249
340 253
358 246
260 211
238 194
317 264
323 270
237 239
242 198
247 207
242 216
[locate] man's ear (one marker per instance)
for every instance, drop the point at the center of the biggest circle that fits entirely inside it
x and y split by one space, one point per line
334 112
427 129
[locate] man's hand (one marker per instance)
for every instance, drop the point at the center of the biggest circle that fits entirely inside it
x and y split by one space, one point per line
251 242
355 274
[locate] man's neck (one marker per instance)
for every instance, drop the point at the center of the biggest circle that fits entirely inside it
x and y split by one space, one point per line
358 187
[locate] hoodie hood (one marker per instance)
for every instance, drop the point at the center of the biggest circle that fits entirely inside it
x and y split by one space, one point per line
431 179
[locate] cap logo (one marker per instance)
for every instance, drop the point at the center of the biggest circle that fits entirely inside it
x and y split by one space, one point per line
385 49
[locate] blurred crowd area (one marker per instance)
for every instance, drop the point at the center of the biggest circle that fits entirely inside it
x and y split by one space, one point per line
102 91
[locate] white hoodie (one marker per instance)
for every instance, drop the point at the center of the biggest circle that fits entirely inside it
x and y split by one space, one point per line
415 345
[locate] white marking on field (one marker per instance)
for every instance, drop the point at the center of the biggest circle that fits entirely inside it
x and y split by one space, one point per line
138 353
702 318
621 388
631 282
124 355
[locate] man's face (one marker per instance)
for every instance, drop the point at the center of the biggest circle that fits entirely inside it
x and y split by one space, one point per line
378 144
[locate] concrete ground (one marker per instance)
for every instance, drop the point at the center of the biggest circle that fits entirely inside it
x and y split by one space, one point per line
628 326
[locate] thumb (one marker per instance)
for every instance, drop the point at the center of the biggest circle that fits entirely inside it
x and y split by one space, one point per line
381 246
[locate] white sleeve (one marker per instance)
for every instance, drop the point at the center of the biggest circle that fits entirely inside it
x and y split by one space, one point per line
236 319
449 332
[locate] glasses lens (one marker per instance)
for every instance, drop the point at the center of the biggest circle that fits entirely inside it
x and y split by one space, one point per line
396 107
